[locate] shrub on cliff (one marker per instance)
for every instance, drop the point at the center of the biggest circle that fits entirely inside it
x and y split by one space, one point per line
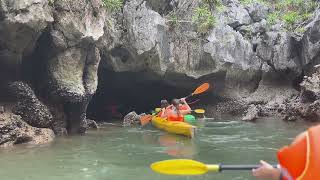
293 14
113 5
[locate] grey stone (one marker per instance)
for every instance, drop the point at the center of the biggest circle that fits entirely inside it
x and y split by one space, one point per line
92 124
257 11
131 119
1 109
252 113
21 24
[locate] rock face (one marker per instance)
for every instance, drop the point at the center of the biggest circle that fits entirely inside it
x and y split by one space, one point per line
15 131
307 105
54 48
57 49
21 24
29 107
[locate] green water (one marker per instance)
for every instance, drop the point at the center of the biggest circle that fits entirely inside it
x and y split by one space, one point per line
116 153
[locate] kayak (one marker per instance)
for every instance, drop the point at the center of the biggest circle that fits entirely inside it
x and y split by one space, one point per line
174 127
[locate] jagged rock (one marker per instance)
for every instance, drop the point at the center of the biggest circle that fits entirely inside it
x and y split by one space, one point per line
278 49
29 107
73 63
311 42
312 111
131 119
310 87
252 113
307 105
21 23
257 11
236 15
144 23
92 124
15 131
240 55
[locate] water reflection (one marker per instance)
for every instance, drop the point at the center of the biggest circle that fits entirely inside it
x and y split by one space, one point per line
178 146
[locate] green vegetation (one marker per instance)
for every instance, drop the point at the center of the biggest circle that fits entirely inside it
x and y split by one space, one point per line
293 12
203 18
248 2
272 18
113 5
290 19
173 20
212 3
51 2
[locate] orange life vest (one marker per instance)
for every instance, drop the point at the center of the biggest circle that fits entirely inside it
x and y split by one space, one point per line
172 116
302 158
183 107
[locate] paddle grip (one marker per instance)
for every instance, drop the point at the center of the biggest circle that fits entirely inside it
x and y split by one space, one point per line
241 167
188 96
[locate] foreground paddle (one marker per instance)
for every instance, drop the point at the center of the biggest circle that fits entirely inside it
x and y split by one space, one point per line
191 167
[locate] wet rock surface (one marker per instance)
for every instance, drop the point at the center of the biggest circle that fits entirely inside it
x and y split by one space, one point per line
13 130
92 124
306 106
252 113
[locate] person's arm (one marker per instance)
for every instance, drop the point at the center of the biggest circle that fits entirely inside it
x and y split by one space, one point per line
163 113
267 171
188 110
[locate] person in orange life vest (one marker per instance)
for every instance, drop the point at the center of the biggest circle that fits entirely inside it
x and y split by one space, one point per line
299 161
164 105
182 105
174 113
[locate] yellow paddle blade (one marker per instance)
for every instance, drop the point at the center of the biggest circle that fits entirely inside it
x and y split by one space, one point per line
158 109
181 167
199 111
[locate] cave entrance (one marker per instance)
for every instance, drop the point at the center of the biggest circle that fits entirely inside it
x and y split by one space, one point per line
129 91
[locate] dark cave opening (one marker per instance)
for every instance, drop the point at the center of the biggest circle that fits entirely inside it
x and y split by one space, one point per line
131 91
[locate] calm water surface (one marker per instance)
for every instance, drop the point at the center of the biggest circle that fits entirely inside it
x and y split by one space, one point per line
116 153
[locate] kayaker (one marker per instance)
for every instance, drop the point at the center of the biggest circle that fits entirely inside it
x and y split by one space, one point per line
164 105
174 113
182 105
300 160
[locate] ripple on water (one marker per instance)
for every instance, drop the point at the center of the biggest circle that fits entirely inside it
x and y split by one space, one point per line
125 153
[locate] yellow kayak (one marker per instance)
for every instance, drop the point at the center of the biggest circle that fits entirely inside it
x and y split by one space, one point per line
174 127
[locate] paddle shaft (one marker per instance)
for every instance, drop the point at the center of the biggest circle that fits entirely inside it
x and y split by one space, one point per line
241 167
